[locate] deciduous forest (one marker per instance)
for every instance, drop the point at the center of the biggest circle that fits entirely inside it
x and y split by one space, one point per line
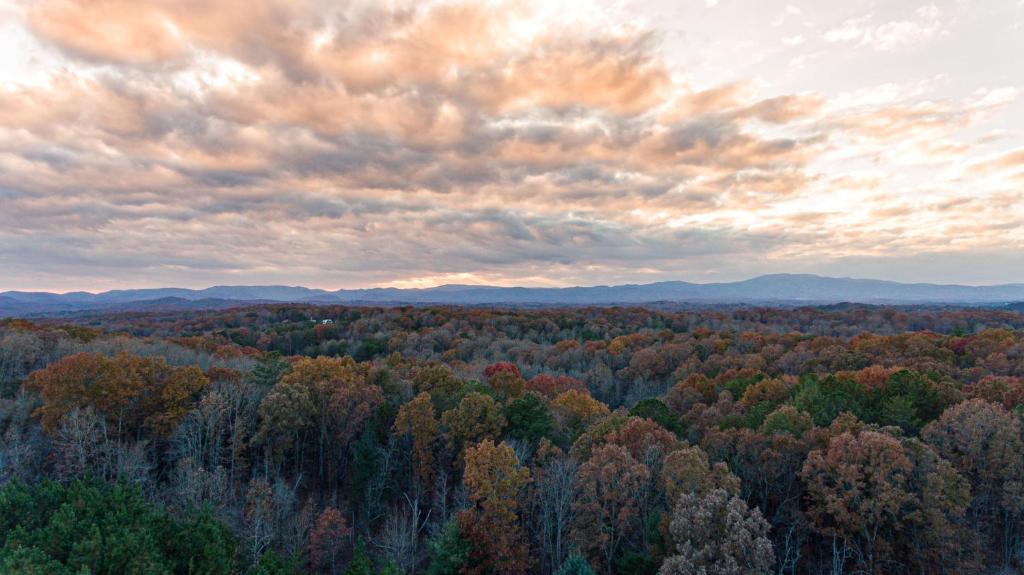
288 439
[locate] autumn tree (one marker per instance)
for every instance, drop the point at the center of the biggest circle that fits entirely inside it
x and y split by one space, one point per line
495 481
416 419
1008 391
597 432
86 380
696 388
574 410
326 399
649 444
505 379
134 394
857 491
770 391
688 470
607 509
768 468
716 534
327 538
286 422
984 443
437 380
551 386
501 367
645 440
477 417
936 535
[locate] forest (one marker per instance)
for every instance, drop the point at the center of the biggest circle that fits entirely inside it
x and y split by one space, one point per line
299 439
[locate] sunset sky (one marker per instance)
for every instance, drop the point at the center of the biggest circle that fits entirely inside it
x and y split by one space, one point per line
352 144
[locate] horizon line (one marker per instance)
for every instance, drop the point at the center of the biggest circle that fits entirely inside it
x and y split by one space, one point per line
513 286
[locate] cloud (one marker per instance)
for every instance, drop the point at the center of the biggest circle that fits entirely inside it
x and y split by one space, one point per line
1011 160
358 143
115 32
927 24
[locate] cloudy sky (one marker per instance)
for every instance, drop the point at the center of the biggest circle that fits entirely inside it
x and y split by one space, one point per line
335 144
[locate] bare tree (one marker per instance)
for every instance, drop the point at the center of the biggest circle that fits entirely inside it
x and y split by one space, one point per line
554 492
193 486
84 447
399 538
22 445
258 518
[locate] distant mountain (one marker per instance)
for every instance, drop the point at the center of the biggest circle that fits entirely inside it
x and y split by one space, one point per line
176 303
767 290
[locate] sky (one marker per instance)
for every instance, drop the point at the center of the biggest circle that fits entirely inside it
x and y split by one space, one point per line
350 144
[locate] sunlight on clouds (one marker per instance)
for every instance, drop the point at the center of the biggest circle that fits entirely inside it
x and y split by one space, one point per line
211 73
23 61
504 143
489 279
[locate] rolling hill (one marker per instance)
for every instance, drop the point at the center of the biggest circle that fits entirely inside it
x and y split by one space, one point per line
785 289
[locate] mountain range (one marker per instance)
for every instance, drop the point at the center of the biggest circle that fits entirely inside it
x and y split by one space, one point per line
779 289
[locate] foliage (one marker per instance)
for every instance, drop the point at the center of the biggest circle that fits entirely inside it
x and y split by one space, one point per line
575 565
105 530
495 481
476 418
608 511
717 534
324 401
416 418
448 551
984 442
134 394
529 419
654 409
464 440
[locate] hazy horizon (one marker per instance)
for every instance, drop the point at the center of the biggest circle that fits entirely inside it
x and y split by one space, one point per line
410 144
508 285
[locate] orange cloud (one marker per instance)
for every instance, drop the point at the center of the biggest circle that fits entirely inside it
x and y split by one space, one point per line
1012 160
121 32
442 139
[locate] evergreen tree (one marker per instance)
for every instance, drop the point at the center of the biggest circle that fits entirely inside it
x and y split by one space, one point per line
448 551
575 564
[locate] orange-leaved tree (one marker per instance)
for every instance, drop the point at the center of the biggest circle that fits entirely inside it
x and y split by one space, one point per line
495 481
417 419
135 395
607 511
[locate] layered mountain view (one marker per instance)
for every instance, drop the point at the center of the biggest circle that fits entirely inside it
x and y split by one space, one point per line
781 289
